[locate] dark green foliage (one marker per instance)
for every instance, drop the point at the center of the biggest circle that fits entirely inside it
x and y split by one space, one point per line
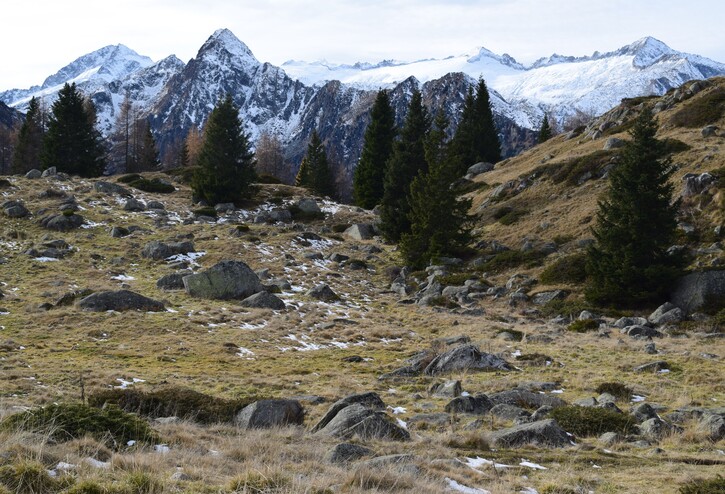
408 160
205 211
569 269
153 185
545 132
572 170
439 220
72 143
673 146
512 259
66 422
314 173
569 308
28 477
377 149
476 138
701 111
582 326
147 158
128 178
268 179
636 224
618 390
171 401
704 486
507 215
30 140
184 175
226 162
5 183
591 421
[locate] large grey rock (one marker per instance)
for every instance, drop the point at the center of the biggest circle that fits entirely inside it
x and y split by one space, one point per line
173 281
696 290
265 414
448 389
643 411
322 292
34 173
263 300
478 168
614 143
15 209
134 205
510 412
525 398
346 452
365 423
642 332
121 300
466 357
543 298
475 405
542 433
111 188
656 428
369 400
663 314
308 205
360 231
161 250
714 426
62 222
623 322
225 280
696 184
652 366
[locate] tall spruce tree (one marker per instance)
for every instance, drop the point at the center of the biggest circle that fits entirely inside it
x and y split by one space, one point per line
377 149
225 162
439 220
628 264
545 132
30 140
148 156
476 138
315 171
407 161
72 143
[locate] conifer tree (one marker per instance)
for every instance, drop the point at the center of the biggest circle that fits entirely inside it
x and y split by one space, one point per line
183 159
545 130
439 221
72 143
226 162
148 156
407 161
315 171
476 138
30 140
629 264
377 149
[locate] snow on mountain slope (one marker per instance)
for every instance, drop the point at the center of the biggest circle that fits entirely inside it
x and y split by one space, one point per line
558 85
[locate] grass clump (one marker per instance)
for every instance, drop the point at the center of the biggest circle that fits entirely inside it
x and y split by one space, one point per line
704 486
509 259
111 425
591 421
698 112
171 401
618 390
340 227
583 325
28 477
255 482
128 178
507 215
572 170
569 269
153 185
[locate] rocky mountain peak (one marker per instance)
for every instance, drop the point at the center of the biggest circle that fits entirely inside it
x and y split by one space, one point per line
646 51
225 46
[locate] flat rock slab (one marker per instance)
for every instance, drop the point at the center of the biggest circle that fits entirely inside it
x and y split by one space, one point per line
466 357
542 433
357 420
120 301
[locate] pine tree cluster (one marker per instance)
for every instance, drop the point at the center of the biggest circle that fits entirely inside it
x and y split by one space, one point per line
314 173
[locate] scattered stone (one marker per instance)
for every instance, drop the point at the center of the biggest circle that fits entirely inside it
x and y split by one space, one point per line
346 452
225 280
263 300
110 188
62 222
160 250
474 405
307 205
448 389
370 400
360 231
173 281
466 357
524 398
479 168
322 292
610 438
265 414
696 184
666 313
656 428
224 207
430 419
709 131
641 332
623 322
542 433
543 298
586 402
643 411
119 232
650 349
155 205
652 366
365 423
714 426
14 209
33 174
121 300
134 205
510 412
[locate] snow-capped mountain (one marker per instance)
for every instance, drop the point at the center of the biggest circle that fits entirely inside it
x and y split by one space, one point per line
558 85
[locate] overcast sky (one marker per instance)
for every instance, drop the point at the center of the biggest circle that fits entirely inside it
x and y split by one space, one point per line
38 37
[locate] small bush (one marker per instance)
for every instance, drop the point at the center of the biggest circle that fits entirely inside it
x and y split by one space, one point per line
564 307
68 212
183 175
171 401
590 421
65 422
618 390
28 477
205 211
507 215
377 480
569 269
266 178
340 227
673 146
534 359
570 171
698 112
143 483
242 228
127 179
443 302
509 259
704 486
562 239
153 185
87 487
583 325
4 183
518 335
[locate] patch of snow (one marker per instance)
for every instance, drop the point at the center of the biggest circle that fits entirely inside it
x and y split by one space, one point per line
131 443
557 391
248 325
386 341
123 277
480 462
92 224
637 398
45 259
397 410
96 463
162 448
465 393
516 353
664 371
191 258
125 384
529 490
402 424
527 463
245 352
455 486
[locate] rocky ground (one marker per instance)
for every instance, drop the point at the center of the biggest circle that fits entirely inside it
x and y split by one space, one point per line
358 376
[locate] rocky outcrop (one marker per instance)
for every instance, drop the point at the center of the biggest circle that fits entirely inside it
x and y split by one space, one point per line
265 414
466 357
121 300
696 290
225 280
542 433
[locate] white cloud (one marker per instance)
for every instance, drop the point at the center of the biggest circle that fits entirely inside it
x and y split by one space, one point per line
41 36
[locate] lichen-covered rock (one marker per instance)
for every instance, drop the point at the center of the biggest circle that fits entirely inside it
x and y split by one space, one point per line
542 433
121 300
265 414
223 281
466 357
263 300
